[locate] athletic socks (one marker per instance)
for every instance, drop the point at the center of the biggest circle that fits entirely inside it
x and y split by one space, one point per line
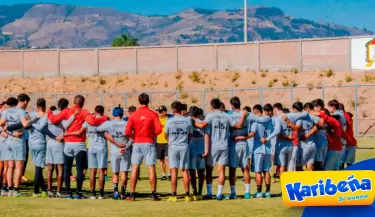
93 193
268 187
5 187
101 192
174 194
10 188
259 188
194 192
220 189
233 189
187 194
115 187
123 189
209 189
247 188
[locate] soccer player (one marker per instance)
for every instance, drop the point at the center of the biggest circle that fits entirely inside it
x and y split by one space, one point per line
38 146
120 151
262 152
162 144
348 155
199 149
308 128
75 146
238 151
219 125
97 152
178 130
15 144
321 135
144 126
333 108
131 110
184 111
55 148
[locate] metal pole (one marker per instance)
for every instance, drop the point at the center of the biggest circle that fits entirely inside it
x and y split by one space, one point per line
177 92
231 93
204 101
150 93
356 109
323 92
261 95
245 22
101 98
125 99
291 95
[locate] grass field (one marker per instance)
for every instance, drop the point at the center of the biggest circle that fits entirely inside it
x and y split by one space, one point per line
145 207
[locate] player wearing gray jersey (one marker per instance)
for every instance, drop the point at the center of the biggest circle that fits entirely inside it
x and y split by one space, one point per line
177 131
38 146
120 150
15 152
198 148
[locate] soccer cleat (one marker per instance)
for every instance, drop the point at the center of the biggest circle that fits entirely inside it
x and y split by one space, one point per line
18 194
79 197
207 197
231 196
59 195
122 197
44 194
69 196
51 194
188 199
130 197
219 197
172 199
92 197
4 192
258 195
101 197
116 196
267 195
163 178
155 197
169 177
10 193
247 196
36 195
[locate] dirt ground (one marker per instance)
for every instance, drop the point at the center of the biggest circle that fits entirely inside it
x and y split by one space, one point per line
263 87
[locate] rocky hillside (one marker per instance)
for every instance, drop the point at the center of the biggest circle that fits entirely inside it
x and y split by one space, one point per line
67 26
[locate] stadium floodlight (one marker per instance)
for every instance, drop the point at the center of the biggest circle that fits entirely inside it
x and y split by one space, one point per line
245 22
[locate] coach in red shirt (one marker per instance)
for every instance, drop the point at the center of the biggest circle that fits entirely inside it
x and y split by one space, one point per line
143 126
75 146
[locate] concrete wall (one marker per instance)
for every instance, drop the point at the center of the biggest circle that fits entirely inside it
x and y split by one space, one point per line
304 55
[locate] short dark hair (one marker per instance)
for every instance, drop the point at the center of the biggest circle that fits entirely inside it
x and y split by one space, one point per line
341 107
327 112
215 103
23 97
99 109
350 114
53 108
278 106
318 102
12 101
200 111
194 111
334 103
183 107
222 105
62 103
286 110
177 106
235 102
247 108
79 100
41 102
337 117
298 106
258 107
267 107
143 99
308 106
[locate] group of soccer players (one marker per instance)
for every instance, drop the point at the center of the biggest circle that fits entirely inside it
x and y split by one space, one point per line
270 138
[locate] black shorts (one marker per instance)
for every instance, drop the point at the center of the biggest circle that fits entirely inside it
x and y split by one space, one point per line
161 151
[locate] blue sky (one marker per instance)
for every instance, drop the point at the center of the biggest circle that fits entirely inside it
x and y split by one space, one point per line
359 13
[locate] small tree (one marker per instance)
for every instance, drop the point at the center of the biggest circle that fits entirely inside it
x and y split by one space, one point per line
125 41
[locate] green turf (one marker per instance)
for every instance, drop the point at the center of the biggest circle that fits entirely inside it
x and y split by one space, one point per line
28 206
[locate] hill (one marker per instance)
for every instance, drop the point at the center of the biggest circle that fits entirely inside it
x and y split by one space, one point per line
69 26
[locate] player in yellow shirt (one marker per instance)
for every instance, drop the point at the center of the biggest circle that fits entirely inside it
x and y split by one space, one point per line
162 143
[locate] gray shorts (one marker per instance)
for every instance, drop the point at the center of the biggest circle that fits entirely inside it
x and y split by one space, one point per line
307 154
284 156
2 150
196 162
348 155
38 154
250 145
321 153
121 163
262 162
178 157
55 152
146 151
71 149
293 161
15 149
97 157
217 157
332 160
238 156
